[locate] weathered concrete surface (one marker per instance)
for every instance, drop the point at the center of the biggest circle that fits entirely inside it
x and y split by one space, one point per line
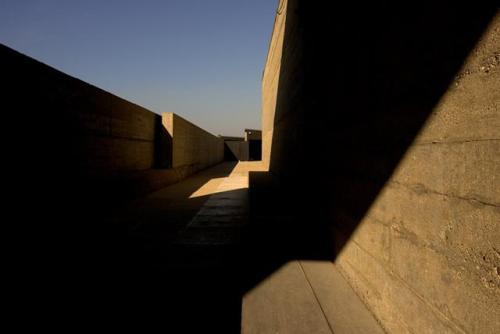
434 229
191 145
306 297
409 153
283 303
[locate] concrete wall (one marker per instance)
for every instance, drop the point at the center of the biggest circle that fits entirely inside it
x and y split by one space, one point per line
270 81
88 141
253 134
406 106
103 132
426 254
238 149
191 145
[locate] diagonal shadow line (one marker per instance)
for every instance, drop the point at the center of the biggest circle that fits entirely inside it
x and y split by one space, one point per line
356 84
344 118
344 115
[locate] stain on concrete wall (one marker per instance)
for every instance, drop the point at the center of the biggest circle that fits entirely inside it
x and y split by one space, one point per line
406 106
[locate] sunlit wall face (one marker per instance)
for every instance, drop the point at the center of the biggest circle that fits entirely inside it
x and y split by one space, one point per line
423 252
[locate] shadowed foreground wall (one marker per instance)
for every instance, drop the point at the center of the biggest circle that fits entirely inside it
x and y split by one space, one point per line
84 139
406 106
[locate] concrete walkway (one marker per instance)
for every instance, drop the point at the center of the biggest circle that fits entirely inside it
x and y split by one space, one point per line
197 260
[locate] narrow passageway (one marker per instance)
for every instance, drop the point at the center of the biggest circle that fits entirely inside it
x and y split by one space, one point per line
184 250
197 257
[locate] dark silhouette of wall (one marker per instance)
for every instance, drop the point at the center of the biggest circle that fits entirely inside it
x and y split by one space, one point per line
107 145
236 150
255 149
382 148
74 154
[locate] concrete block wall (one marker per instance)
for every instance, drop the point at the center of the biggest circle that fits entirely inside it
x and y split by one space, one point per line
407 110
191 145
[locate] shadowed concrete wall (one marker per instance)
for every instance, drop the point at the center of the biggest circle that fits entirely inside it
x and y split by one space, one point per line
238 149
108 133
191 145
409 104
87 140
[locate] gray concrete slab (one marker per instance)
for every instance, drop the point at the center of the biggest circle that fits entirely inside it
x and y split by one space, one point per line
343 309
283 303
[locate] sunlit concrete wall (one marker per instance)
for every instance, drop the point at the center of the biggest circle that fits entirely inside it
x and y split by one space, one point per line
270 81
425 257
191 145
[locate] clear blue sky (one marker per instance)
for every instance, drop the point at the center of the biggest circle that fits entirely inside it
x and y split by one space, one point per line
201 59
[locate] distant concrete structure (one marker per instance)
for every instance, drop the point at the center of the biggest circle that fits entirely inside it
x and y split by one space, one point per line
254 139
248 148
235 148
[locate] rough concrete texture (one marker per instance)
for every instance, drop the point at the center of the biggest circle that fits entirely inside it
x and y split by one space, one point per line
434 229
306 297
191 145
412 194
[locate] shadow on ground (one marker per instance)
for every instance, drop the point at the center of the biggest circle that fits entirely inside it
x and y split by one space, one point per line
357 83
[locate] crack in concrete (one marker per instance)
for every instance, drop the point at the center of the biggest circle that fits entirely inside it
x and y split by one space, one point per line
419 188
316 297
457 141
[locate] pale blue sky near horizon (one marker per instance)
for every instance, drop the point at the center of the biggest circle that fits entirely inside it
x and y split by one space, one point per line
200 59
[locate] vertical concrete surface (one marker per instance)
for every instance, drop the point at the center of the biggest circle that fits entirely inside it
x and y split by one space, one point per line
398 111
191 145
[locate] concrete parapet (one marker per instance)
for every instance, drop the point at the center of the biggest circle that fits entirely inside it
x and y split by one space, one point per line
191 145
86 140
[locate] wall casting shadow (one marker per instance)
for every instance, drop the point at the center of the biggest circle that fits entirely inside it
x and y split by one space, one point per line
357 83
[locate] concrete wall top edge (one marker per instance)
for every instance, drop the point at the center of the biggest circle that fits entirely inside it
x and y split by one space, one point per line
54 71
174 115
281 6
